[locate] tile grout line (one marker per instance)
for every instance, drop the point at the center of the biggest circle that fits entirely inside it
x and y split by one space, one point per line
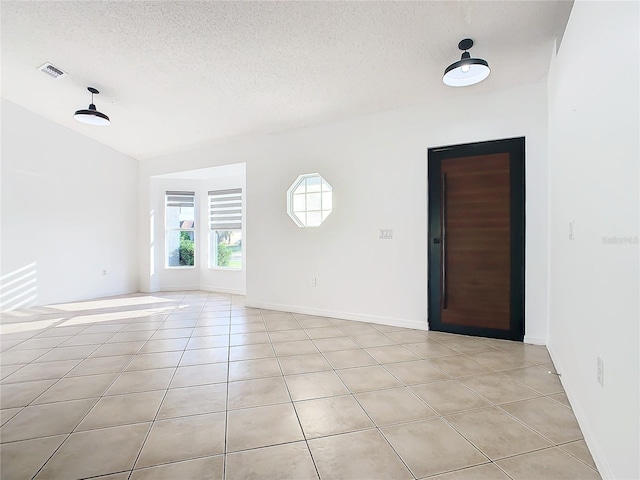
293 405
166 391
547 447
118 374
574 456
375 425
86 414
226 402
381 433
346 334
64 376
438 415
492 405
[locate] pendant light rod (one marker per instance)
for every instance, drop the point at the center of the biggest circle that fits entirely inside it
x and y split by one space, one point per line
93 91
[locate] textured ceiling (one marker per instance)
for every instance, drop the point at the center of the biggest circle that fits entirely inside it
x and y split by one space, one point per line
177 75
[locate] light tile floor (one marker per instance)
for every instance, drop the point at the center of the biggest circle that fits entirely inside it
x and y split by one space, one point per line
194 385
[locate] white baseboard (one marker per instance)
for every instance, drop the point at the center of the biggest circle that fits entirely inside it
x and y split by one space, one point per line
396 322
179 288
583 420
535 340
230 291
203 288
119 292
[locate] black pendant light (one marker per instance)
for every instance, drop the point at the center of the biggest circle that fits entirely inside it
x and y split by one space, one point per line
91 116
466 71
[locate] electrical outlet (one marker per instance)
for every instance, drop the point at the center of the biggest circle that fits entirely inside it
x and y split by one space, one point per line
104 272
314 282
600 371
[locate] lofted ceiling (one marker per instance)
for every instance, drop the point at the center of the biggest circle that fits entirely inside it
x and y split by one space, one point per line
175 75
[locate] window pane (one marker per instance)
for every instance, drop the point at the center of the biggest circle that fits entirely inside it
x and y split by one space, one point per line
180 217
299 204
313 184
314 219
226 248
180 248
301 188
173 217
327 201
325 186
313 201
302 217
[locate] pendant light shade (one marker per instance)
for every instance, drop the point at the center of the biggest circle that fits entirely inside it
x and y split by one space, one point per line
466 71
92 116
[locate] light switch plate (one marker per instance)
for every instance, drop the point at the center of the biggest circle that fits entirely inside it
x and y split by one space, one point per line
385 234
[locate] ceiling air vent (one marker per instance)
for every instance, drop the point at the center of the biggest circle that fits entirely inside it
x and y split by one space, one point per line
52 71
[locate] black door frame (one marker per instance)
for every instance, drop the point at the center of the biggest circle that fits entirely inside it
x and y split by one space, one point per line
516 149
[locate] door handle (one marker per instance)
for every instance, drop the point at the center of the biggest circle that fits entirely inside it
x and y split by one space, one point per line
443 256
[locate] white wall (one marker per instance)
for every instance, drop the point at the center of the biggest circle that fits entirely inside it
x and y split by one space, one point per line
377 167
69 210
200 277
594 285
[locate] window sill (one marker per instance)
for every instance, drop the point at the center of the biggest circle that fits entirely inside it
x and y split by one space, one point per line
226 269
181 267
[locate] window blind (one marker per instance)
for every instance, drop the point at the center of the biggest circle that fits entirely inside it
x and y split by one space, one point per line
225 209
181 199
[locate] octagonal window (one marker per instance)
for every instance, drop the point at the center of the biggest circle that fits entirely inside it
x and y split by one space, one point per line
309 200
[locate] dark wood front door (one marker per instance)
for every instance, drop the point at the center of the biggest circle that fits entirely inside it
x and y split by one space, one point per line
476 237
